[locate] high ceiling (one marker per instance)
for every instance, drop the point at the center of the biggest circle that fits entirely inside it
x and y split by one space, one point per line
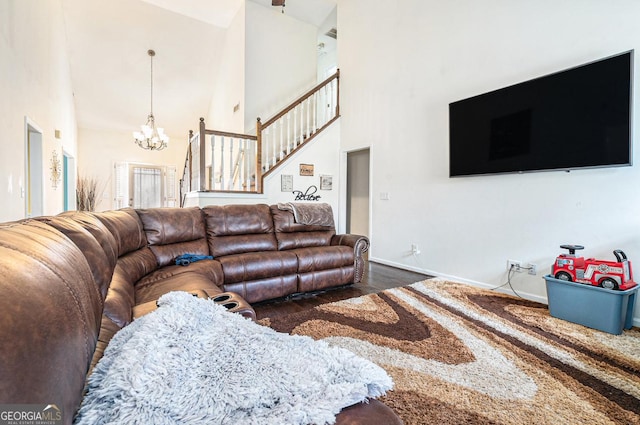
110 69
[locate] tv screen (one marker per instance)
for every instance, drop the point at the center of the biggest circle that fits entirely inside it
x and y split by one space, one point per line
577 118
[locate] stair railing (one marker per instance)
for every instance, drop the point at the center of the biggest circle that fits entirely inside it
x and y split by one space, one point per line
219 161
299 122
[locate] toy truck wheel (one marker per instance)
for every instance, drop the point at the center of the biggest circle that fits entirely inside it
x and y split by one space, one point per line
564 276
608 283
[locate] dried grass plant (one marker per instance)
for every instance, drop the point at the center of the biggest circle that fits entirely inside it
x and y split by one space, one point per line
86 193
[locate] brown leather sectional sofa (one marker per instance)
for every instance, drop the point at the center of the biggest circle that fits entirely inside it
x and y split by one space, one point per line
70 282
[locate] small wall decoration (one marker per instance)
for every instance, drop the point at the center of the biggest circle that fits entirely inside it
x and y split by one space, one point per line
308 195
56 170
326 182
286 183
306 169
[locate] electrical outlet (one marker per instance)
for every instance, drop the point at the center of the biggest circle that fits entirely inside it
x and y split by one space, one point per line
533 269
514 265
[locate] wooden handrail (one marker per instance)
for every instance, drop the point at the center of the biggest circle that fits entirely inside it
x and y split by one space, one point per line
228 134
301 99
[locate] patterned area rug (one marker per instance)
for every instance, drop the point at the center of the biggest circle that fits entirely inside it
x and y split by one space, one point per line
459 354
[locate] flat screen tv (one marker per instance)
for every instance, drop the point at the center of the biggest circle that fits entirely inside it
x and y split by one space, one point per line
577 118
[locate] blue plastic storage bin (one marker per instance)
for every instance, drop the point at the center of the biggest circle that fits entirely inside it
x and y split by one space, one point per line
604 309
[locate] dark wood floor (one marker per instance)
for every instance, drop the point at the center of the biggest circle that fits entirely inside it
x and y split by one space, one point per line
377 277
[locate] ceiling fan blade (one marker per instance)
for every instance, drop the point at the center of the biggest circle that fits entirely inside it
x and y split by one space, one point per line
277 2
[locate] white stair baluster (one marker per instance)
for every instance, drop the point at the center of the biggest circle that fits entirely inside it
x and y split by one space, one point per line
222 158
280 140
315 112
231 143
212 167
295 111
250 162
289 132
267 150
301 112
274 135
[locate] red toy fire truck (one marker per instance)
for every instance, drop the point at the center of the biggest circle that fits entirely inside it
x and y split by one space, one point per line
607 274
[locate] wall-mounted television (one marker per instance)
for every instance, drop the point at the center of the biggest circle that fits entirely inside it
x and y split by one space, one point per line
577 118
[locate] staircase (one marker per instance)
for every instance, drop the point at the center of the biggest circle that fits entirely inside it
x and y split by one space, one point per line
219 161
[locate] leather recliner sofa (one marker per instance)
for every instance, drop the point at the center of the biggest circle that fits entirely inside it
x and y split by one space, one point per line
70 282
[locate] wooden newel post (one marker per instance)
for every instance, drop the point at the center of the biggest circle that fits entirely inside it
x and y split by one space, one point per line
258 173
203 146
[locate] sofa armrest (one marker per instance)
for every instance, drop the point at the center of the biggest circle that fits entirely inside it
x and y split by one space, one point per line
360 245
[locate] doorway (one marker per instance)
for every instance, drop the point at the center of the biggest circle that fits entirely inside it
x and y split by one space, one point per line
145 186
34 170
69 181
357 220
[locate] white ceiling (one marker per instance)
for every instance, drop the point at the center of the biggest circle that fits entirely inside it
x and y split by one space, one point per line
110 69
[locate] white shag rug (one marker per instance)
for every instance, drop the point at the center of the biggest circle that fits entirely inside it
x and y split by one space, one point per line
193 362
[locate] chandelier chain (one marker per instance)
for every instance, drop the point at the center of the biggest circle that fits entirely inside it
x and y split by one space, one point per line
151 53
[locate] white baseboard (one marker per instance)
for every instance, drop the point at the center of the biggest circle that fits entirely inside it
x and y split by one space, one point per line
526 295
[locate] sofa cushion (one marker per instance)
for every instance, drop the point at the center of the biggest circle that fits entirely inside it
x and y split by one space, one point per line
233 229
324 267
291 235
258 265
322 258
264 289
172 232
121 298
211 269
321 279
126 228
187 281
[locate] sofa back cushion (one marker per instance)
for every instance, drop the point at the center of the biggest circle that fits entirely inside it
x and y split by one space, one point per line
291 235
50 312
134 260
94 240
236 229
126 228
172 232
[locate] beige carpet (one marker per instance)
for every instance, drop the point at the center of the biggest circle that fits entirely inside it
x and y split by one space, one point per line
459 354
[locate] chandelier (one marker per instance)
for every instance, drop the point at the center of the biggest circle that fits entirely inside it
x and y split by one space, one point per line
151 137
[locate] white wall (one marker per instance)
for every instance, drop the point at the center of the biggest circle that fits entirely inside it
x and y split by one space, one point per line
230 86
280 61
327 55
403 63
36 83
